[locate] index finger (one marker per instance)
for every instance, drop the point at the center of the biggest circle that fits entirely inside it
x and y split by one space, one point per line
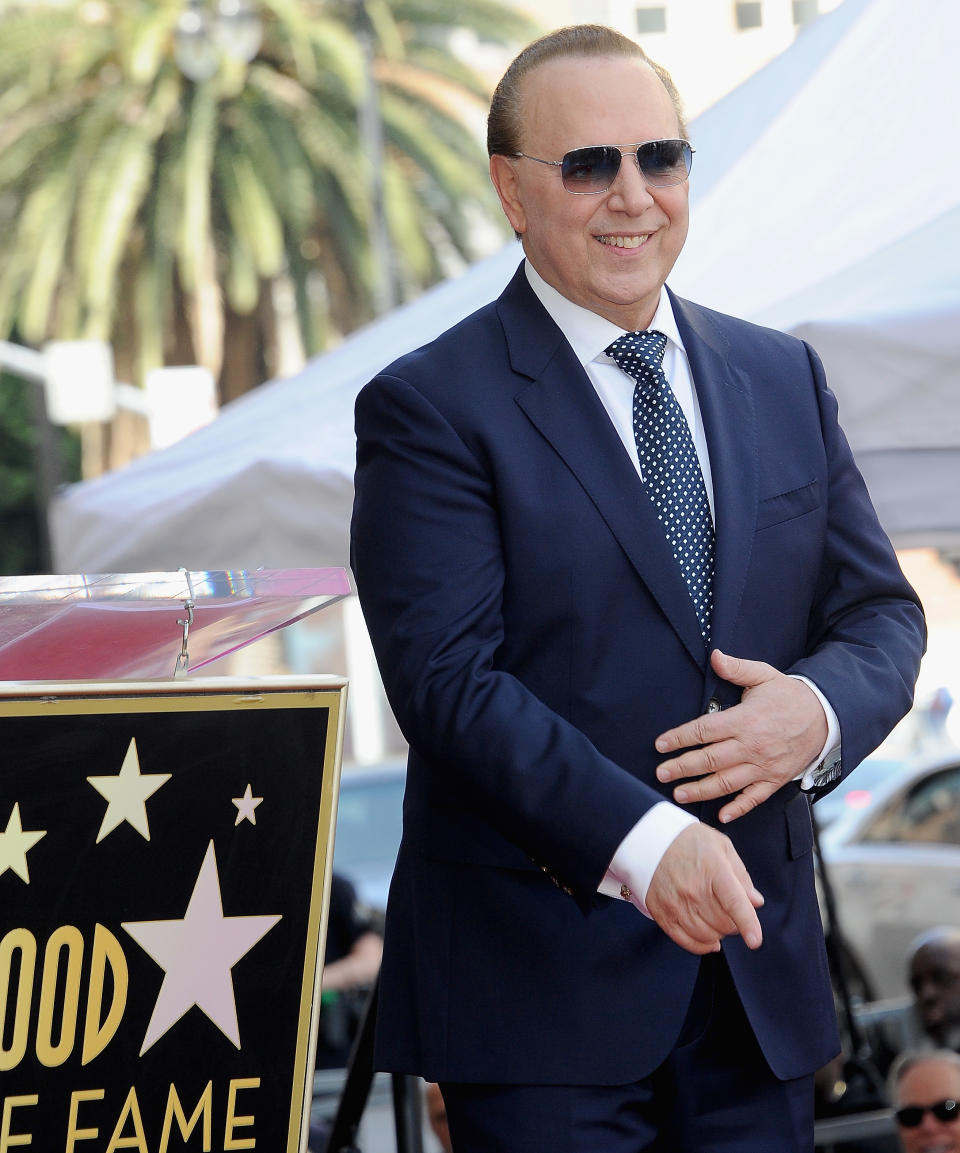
732 895
703 730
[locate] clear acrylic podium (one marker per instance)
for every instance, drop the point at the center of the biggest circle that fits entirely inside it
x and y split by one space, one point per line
145 625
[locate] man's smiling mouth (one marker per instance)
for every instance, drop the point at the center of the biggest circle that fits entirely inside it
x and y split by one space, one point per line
623 241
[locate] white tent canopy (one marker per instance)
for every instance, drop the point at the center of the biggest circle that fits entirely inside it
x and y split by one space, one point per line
825 201
270 482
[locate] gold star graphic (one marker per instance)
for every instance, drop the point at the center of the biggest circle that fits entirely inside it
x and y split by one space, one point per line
127 793
15 843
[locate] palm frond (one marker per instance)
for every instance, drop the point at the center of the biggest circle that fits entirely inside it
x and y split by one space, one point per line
198 153
147 47
44 228
490 19
132 200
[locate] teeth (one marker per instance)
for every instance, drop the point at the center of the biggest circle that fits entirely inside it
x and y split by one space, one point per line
622 241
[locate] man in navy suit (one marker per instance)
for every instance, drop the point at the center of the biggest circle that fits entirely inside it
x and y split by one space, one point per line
574 949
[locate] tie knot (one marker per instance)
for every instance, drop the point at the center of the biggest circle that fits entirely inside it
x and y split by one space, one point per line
638 353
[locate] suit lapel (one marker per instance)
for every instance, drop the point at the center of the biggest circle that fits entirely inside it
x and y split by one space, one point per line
729 420
562 403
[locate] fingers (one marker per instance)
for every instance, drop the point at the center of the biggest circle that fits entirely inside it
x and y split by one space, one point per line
745 802
747 751
703 735
739 671
700 731
701 892
701 934
743 785
723 770
740 900
699 945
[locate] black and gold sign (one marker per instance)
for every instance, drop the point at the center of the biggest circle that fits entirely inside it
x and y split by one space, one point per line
163 887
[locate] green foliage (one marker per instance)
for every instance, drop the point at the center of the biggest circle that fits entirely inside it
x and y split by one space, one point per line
140 207
20 516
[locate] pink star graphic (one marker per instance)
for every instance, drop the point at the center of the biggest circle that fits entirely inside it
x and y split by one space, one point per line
197 954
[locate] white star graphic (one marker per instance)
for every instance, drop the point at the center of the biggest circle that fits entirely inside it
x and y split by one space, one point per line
127 794
197 954
246 807
14 844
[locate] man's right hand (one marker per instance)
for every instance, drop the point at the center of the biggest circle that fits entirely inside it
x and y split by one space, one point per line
701 892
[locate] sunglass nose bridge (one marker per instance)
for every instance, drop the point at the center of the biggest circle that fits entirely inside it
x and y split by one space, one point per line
631 157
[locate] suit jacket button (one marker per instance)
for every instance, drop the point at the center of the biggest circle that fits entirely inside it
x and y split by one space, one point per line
713 705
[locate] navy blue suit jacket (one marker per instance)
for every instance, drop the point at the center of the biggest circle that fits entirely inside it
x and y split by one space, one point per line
534 634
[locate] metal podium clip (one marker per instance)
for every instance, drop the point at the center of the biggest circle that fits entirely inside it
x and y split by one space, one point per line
182 666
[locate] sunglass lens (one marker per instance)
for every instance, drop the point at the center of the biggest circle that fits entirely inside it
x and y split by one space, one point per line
590 169
910 1116
664 162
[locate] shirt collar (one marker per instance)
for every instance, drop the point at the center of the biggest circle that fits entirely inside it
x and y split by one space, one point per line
587 333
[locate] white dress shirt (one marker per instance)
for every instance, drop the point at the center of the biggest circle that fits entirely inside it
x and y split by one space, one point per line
588 334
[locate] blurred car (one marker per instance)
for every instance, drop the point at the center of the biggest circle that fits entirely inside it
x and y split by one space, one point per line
893 866
369 824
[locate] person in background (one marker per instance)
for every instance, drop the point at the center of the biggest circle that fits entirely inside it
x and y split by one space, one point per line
350 967
934 967
633 609
925 1095
437 1115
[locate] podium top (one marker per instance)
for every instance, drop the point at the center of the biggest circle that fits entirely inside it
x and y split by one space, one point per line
123 626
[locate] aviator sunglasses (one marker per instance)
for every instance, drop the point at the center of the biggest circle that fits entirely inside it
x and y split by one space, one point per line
591 170
910 1116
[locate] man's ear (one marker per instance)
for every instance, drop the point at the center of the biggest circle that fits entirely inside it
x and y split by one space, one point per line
503 173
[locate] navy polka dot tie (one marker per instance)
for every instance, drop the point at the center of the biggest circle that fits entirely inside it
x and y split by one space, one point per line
671 470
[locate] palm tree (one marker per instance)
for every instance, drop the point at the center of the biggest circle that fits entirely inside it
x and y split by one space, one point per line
183 220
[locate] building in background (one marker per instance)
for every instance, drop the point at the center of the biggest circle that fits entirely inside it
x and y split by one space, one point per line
708 46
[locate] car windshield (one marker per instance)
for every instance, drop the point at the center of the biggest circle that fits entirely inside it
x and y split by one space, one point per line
928 813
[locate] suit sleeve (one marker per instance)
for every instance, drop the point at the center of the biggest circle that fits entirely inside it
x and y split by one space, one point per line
429 569
866 627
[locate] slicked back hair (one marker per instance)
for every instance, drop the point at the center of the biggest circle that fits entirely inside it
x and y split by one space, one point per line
576 41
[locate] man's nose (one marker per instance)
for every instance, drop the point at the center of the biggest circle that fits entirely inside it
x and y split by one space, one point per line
630 186
927 992
929 1125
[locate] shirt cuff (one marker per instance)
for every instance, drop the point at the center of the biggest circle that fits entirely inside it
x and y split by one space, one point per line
635 861
831 746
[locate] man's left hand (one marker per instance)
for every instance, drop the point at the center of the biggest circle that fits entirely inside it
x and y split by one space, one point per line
751 749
